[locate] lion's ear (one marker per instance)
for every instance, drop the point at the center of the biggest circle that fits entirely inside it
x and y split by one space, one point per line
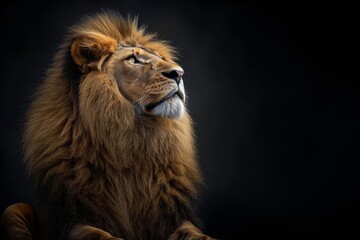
89 49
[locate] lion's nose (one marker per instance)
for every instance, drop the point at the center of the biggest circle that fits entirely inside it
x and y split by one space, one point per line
174 73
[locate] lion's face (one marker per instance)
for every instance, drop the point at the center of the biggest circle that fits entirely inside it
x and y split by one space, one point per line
154 85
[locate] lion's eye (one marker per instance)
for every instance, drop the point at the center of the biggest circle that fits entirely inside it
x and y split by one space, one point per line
132 59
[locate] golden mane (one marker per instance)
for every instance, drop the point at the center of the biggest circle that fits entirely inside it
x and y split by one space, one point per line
124 30
94 160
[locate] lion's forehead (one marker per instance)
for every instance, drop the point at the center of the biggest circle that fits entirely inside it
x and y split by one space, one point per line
139 49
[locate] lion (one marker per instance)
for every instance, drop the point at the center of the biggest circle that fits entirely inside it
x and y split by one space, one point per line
108 142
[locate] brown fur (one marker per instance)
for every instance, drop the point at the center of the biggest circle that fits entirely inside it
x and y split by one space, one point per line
96 162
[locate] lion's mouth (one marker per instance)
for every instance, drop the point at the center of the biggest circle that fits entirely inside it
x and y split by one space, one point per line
172 94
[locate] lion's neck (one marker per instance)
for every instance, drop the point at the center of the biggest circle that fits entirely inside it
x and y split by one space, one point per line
153 141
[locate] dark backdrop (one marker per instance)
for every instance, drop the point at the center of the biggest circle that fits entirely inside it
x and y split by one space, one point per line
273 92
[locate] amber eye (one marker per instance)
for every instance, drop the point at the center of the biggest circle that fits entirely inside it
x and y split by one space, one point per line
133 60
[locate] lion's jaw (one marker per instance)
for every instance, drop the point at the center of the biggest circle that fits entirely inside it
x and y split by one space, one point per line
172 106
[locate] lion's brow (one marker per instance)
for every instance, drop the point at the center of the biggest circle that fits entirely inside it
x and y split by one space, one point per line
153 52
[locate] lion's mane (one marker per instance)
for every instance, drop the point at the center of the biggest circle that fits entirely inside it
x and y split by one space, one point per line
93 159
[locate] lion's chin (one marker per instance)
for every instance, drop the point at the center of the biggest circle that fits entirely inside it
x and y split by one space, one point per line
171 108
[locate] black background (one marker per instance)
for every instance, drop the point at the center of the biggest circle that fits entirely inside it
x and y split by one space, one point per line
273 90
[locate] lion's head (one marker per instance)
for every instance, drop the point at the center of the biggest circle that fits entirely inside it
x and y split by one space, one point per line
143 69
